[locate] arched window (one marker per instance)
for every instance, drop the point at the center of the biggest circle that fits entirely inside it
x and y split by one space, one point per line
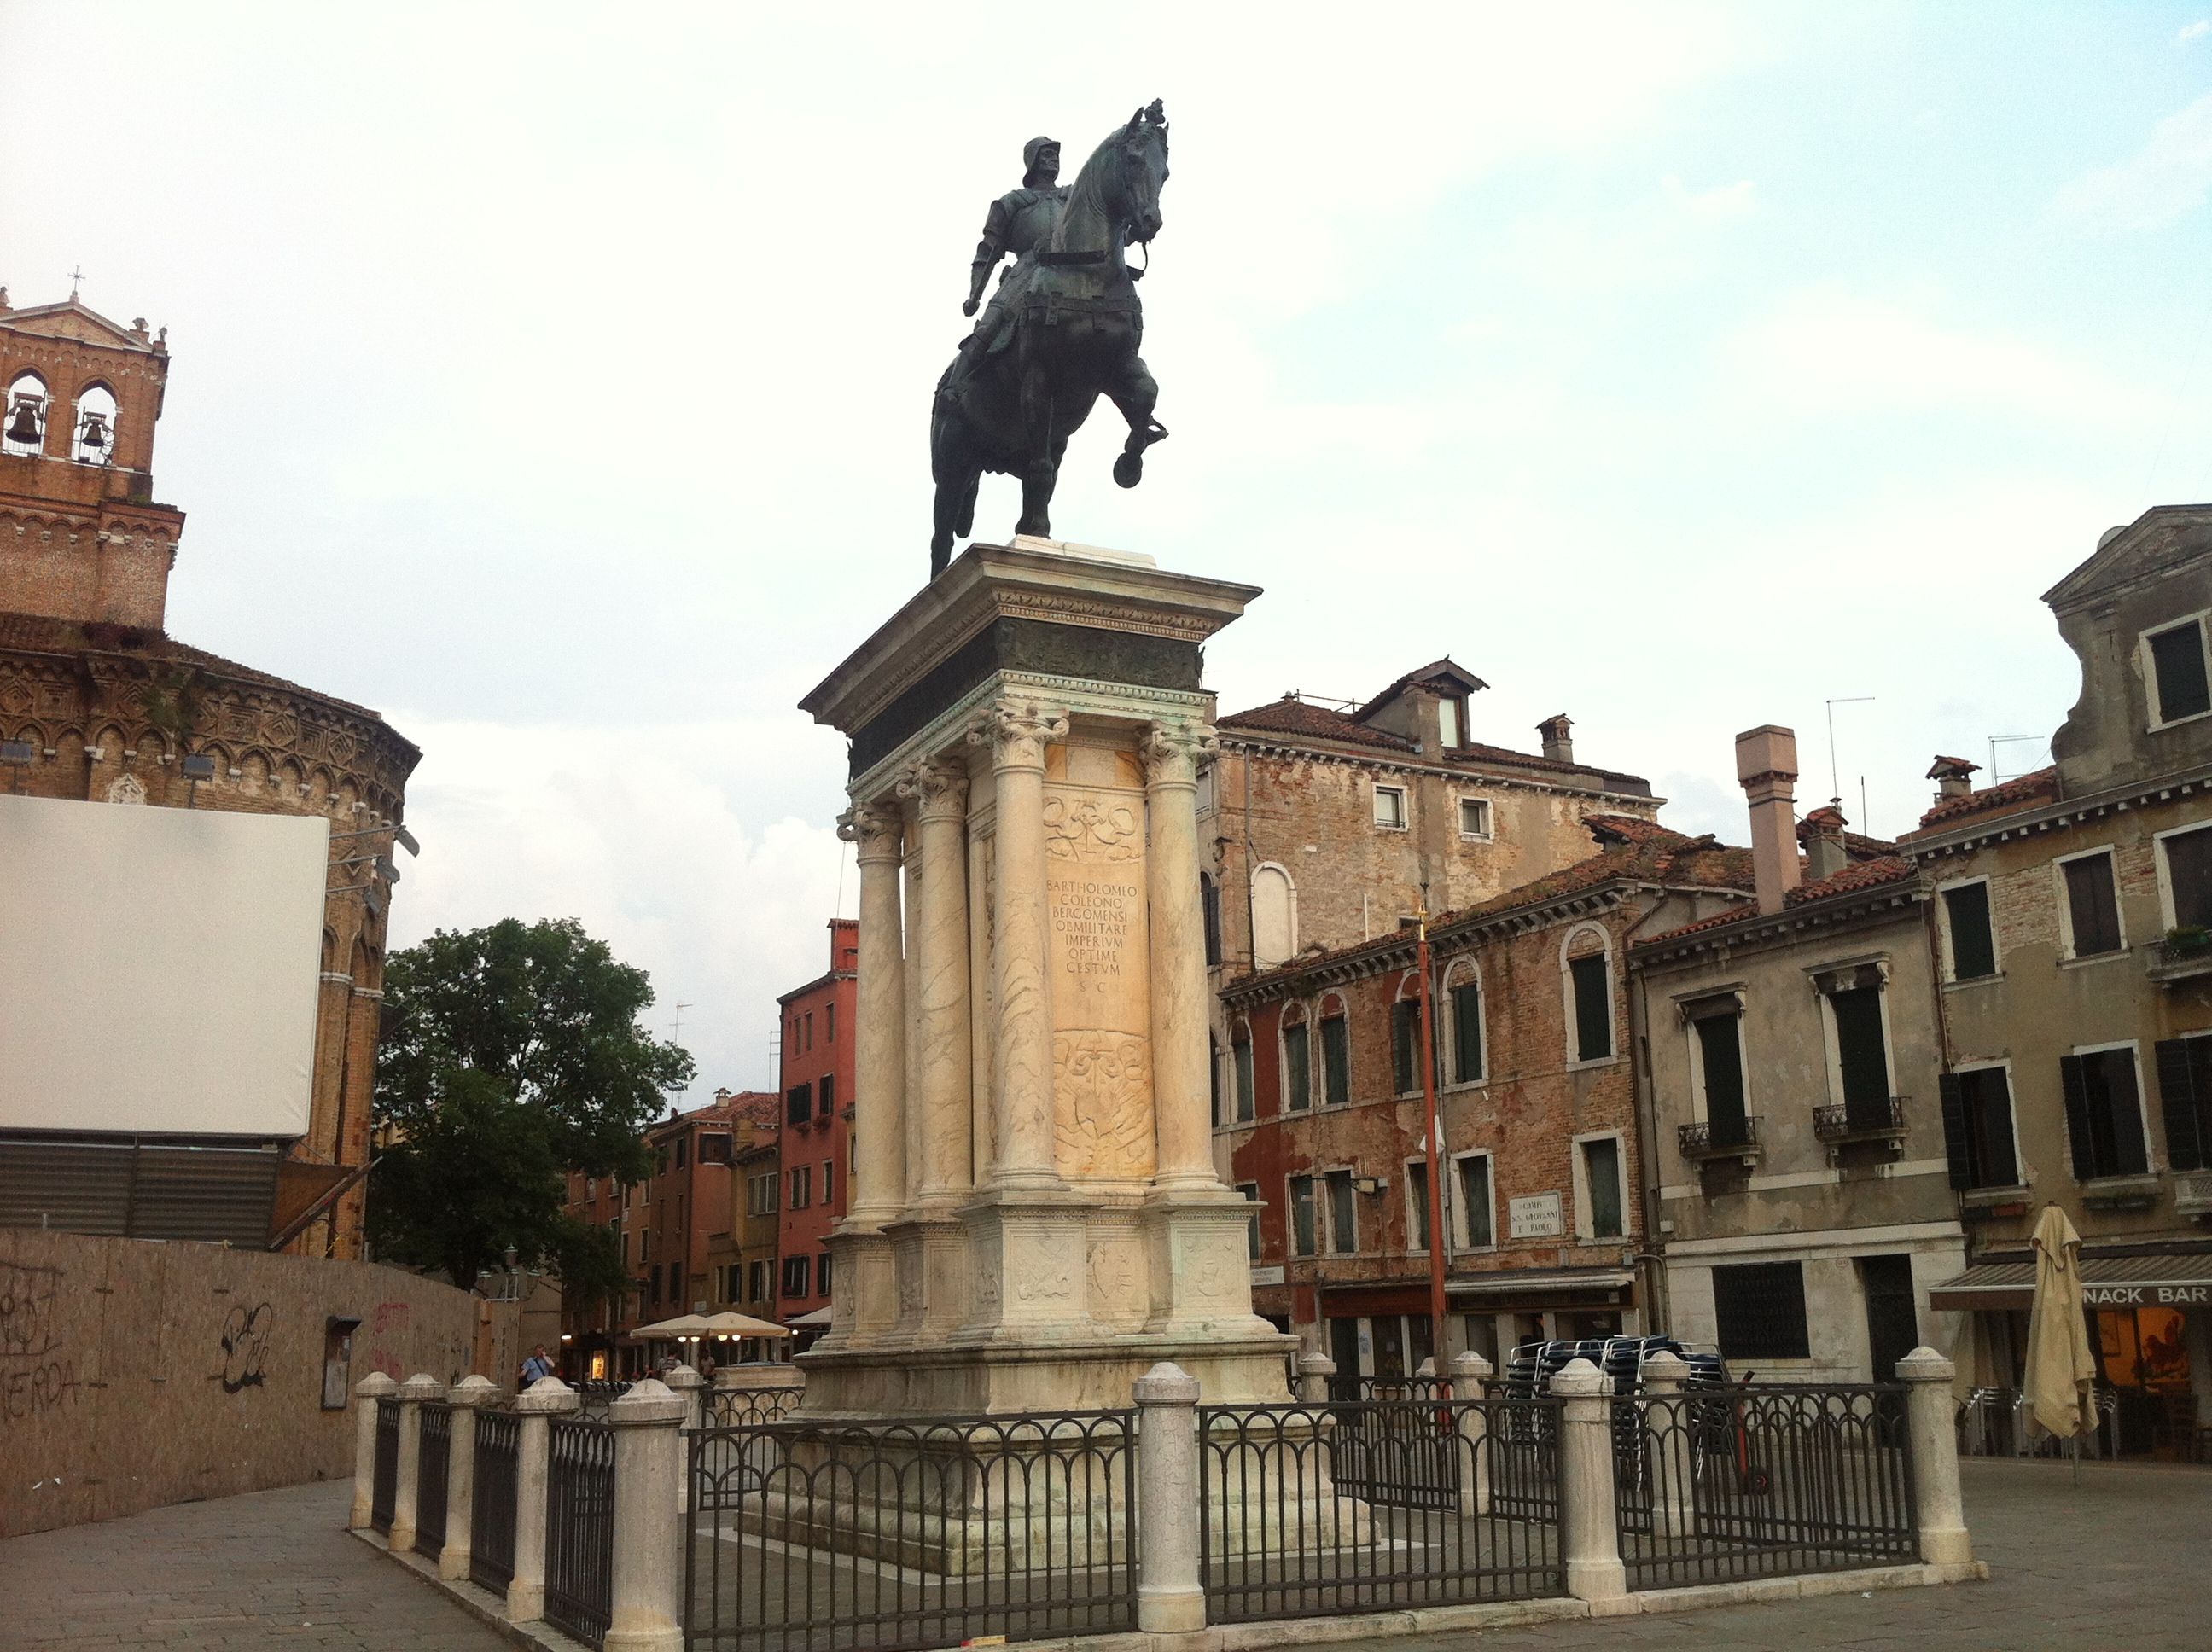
23 419
1586 971
1298 1058
93 441
1274 916
1335 1052
1462 1022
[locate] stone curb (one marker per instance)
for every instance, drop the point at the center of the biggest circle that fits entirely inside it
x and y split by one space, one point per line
1320 1631
479 1603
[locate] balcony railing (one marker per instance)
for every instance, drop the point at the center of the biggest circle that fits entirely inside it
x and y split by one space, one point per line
1879 1120
1714 1139
2181 956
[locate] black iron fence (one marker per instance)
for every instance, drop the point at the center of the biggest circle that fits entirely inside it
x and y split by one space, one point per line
927 1533
598 1395
1373 1504
1346 1388
491 1507
433 1464
1524 1462
1762 1481
384 1484
580 1527
743 1408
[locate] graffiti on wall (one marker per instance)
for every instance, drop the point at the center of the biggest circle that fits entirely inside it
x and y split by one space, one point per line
386 1318
38 1373
245 1347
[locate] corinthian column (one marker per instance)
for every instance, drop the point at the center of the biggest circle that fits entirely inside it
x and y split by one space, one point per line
878 1173
1182 1096
1022 1062
940 1082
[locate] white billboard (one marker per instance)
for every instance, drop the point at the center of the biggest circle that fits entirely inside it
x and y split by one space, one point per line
158 968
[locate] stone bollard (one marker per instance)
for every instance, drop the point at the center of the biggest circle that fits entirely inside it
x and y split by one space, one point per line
648 1614
1588 1529
1927 1378
544 1399
691 1388
412 1392
1170 1595
470 1395
365 1393
1314 1373
1470 1370
1665 1427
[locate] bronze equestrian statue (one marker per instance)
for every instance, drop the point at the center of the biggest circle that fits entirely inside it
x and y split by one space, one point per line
1062 330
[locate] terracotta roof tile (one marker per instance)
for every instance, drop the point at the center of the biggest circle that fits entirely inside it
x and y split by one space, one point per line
2039 786
1447 668
1289 716
1859 875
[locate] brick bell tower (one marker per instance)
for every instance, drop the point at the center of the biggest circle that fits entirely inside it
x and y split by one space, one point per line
81 538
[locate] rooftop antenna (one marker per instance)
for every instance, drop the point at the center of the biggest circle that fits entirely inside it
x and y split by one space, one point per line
1835 778
676 1036
1997 740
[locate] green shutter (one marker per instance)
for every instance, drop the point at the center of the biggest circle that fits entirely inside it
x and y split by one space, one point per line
1405 1031
1719 1043
1593 1008
1863 1055
1241 1053
1958 1145
1466 1033
2074 1084
2182 1107
1335 1062
1973 952
1297 1068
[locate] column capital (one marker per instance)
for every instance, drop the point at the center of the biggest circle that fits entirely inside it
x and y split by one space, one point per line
1018 732
939 784
1171 752
874 829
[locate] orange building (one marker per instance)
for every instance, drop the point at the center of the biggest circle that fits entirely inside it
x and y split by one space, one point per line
817 1112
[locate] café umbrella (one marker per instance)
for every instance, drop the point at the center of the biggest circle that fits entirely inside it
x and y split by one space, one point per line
2062 1373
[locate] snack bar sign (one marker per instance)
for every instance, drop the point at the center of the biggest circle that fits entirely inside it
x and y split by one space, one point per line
2147 1296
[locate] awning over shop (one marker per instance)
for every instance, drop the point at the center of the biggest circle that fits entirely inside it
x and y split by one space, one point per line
2106 1282
1521 1282
816 1319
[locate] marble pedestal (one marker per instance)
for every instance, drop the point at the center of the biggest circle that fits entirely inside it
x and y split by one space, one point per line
1035 1220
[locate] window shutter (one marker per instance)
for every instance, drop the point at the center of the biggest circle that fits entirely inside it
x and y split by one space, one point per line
1466 1033
1593 1008
1720 1039
1404 1032
2074 1084
1861 1054
2186 1147
1335 1062
1957 1146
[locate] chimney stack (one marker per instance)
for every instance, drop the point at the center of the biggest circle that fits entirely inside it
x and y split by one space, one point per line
1823 834
1558 741
1953 777
1767 767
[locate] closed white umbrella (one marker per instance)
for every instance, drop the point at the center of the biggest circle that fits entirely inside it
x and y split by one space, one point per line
2062 1373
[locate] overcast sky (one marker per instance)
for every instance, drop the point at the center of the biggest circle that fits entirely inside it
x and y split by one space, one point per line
555 379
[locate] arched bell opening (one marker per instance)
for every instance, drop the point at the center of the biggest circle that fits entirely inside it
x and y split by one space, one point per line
23 415
93 440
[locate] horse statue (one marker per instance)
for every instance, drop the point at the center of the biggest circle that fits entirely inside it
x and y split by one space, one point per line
1063 330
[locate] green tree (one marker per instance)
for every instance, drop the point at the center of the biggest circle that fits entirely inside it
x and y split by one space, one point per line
510 1056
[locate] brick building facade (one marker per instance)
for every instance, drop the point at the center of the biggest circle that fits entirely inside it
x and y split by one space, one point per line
106 707
817 1075
1542 1221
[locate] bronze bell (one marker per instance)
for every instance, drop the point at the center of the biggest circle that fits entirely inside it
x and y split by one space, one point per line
95 431
23 425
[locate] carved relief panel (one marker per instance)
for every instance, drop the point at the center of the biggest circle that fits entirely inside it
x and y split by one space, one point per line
1094 819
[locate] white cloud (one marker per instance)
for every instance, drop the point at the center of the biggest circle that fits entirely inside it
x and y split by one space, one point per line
1735 200
2196 31
642 835
1828 349
2163 180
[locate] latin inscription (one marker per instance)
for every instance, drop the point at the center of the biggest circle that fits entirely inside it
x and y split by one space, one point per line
1090 921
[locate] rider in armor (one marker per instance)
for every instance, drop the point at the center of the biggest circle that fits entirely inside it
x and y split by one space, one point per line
1020 223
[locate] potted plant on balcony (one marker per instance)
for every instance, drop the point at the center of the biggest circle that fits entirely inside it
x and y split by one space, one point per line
2188 941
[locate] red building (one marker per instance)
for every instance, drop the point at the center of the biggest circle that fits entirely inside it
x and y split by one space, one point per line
683 1242
817 1112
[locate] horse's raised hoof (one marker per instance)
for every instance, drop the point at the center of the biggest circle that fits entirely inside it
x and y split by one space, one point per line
1129 469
